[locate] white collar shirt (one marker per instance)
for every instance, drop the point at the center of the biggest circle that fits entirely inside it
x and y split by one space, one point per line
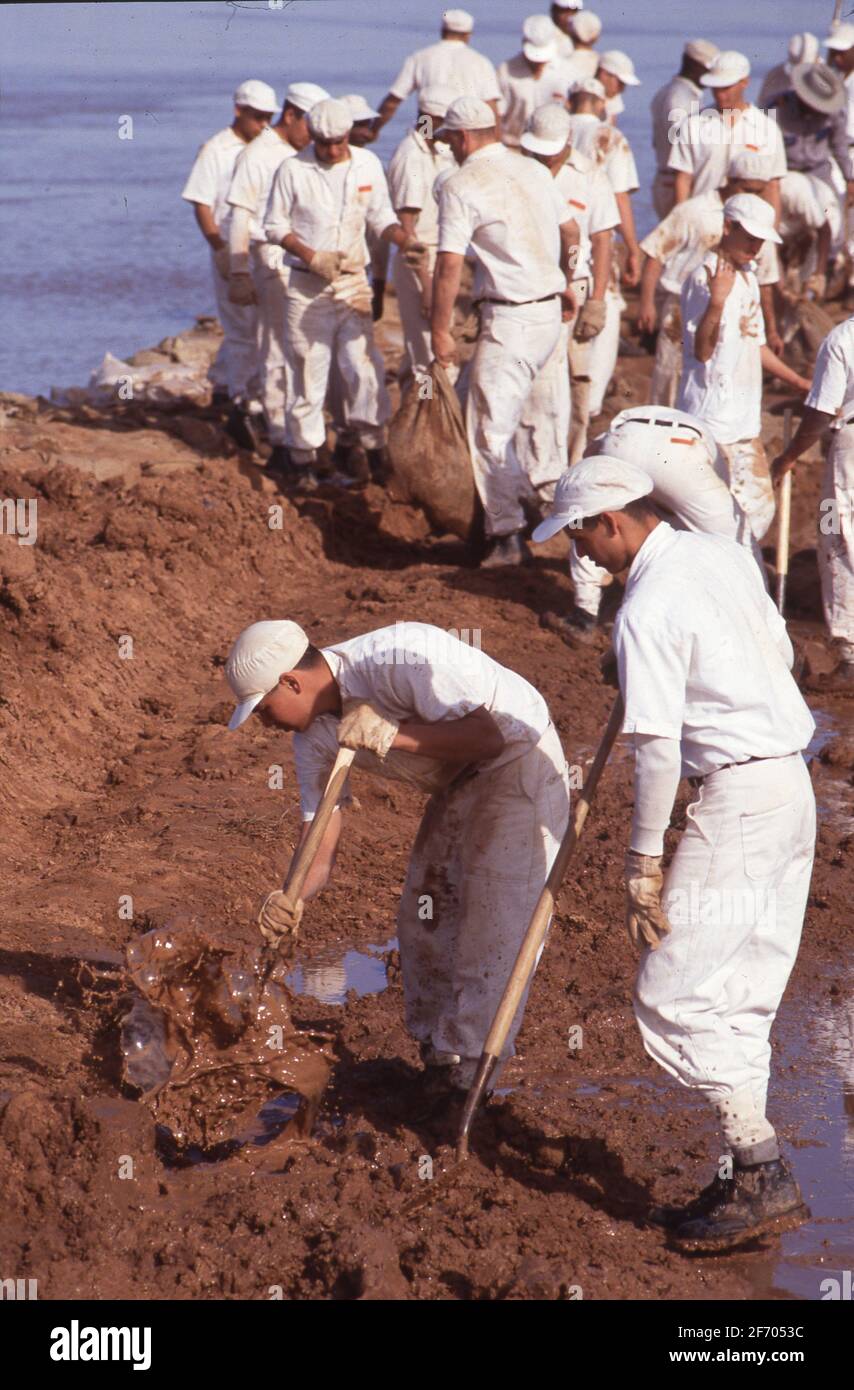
415 671
833 380
508 210
706 143
726 391
329 208
412 172
211 173
703 655
522 91
683 239
447 63
253 176
590 203
671 103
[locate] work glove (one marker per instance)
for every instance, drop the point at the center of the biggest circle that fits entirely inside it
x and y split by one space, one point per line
416 254
222 261
378 300
816 285
590 321
279 917
645 920
327 264
362 726
241 290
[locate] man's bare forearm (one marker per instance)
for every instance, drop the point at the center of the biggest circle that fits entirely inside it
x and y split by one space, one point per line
708 331
446 284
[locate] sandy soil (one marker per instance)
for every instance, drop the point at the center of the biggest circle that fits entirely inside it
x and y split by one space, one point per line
120 779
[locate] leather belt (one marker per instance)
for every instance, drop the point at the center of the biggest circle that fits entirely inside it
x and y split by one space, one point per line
517 303
698 781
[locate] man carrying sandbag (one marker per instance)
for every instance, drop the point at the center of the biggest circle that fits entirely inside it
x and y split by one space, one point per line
421 706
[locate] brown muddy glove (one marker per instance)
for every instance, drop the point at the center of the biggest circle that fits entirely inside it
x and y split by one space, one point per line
327 264
278 918
590 321
364 727
241 290
415 254
644 914
222 261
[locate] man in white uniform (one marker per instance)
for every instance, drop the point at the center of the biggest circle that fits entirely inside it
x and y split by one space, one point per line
563 12
676 247
840 55
704 667
690 485
706 142
320 204
509 212
235 366
830 405
414 168
670 105
592 206
611 152
585 28
616 72
420 706
725 352
533 77
449 63
257 271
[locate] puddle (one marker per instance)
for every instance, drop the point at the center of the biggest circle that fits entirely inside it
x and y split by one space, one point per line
328 976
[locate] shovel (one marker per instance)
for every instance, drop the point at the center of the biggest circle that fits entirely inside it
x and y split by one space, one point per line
784 520
528 952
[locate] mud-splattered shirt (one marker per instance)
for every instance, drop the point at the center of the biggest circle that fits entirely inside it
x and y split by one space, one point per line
329 207
706 144
833 381
725 392
688 234
590 203
522 91
412 172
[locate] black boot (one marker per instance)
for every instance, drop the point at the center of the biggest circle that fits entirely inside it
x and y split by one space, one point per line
506 550
380 465
760 1200
240 428
671 1217
279 463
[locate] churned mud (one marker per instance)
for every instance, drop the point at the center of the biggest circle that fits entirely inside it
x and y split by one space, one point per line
134 822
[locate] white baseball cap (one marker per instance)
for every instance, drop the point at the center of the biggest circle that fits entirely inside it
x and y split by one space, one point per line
592 486
804 48
359 108
753 214
458 21
586 26
258 95
435 100
842 38
569 4
538 38
749 164
330 119
548 130
304 95
262 653
728 68
702 51
589 86
467 113
619 65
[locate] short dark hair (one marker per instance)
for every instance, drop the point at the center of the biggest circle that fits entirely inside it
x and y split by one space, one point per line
312 656
641 509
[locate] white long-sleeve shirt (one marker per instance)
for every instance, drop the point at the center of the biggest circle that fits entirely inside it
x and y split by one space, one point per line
329 207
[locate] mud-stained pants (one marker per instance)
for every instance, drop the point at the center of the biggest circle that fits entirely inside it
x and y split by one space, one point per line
668 351
416 328
540 441
270 279
750 482
603 351
235 366
478 865
836 540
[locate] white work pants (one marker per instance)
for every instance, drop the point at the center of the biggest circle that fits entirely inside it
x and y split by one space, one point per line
750 482
480 860
235 366
318 325
603 350
542 435
270 279
515 344
416 328
735 896
668 351
836 540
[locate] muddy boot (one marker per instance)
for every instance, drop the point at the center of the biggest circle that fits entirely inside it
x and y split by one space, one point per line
672 1217
240 427
760 1200
380 466
279 463
357 464
506 550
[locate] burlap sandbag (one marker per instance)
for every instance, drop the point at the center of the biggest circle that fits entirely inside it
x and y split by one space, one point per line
430 456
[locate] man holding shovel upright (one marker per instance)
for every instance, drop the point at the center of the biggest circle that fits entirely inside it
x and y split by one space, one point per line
422 707
705 674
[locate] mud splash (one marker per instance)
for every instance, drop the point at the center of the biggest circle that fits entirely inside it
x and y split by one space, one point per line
211 1044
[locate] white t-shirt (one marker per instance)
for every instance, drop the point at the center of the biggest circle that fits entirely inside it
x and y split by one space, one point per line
707 142
806 203
668 107
329 208
509 211
210 176
726 391
688 233
447 63
412 172
522 92
609 150
833 381
415 671
703 655
589 201
253 175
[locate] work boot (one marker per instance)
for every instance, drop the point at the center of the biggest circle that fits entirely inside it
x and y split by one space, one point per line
671 1217
506 550
762 1199
279 462
379 463
239 427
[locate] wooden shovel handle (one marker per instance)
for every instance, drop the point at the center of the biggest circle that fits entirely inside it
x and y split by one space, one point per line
307 852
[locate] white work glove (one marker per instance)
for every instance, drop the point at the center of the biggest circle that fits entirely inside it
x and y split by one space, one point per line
362 726
590 321
279 917
241 290
644 914
222 261
327 264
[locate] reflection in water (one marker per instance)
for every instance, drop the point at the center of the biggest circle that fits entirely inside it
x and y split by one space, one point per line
328 976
